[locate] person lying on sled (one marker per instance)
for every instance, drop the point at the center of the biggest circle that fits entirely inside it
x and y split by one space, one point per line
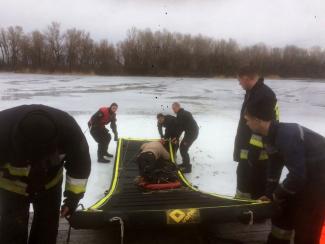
154 164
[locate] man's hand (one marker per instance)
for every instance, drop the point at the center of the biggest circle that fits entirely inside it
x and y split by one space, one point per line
162 141
65 212
174 141
69 207
264 199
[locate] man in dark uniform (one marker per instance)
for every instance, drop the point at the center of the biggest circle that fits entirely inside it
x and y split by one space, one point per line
300 198
249 149
186 123
36 142
168 122
100 133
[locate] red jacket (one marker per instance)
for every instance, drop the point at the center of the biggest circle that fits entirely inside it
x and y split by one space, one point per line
103 117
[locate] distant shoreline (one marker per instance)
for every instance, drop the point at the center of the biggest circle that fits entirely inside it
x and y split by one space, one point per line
272 77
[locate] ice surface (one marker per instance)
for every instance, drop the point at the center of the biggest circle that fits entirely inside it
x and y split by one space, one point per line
215 104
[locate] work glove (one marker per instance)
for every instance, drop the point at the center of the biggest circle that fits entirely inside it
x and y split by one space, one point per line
116 137
69 207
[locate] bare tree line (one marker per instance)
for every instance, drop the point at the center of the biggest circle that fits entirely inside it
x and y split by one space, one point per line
144 52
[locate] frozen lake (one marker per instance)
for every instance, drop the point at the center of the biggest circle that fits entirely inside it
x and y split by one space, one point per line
215 104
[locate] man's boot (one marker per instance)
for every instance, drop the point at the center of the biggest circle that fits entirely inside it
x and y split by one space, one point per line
109 155
103 159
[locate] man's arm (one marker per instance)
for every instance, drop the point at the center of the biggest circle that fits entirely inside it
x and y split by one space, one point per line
77 163
294 157
159 126
180 123
95 119
114 127
274 170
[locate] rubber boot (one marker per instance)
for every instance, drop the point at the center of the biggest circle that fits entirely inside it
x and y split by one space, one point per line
109 155
103 159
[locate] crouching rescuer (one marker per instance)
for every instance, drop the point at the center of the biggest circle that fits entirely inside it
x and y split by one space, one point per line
100 133
300 199
36 142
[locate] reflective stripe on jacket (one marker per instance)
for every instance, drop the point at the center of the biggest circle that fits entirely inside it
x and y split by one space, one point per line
15 179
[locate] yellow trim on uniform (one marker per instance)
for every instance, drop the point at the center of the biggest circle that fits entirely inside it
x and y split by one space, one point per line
263 155
74 185
76 189
244 155
55 180
277 112
13 186
17 171
256 140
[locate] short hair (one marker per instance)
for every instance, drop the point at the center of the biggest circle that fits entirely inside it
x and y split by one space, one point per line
160 115
248 70
114 104
176 104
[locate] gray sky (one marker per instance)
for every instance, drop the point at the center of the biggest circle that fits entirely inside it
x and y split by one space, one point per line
274 22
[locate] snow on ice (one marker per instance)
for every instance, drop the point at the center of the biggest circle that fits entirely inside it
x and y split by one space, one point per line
215 104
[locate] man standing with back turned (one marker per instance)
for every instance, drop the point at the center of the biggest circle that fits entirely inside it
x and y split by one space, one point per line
186 123
249 149
36 142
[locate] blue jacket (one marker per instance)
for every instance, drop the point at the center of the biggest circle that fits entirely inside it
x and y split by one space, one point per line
300 150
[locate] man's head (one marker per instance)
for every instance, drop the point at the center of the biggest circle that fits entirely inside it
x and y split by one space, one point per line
160 118
247 76
114 107
176 107
35 137
257 118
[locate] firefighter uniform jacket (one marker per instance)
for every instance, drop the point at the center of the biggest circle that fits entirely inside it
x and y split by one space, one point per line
171 130
249 146
301 151
103 117
16 174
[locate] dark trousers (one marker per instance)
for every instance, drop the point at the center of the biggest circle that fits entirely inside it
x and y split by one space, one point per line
14 215
303 213
185 145
103 138
251 178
